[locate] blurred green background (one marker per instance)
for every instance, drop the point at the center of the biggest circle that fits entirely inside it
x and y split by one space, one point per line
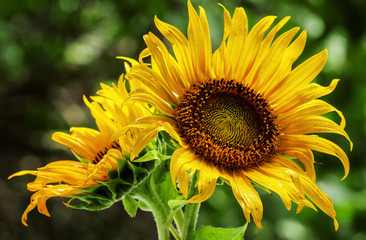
53 52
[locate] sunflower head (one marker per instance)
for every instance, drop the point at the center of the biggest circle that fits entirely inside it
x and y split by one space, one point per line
242 113
104 172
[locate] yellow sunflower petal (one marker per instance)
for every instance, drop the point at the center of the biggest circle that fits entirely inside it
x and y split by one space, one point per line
116 95
283 181
291 54
21 173
274 58
179 168
104 123
264 56
305 95
301 76
153 81
319 198
39 198
306 157
73 142
199 43
148 133
318 144
206 182
314 124
251 50
162 121
130 60
247 196
235 41
219 64
157 102
180 48
313 108
166 65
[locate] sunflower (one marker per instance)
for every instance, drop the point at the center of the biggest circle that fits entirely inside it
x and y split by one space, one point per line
97 150
242 113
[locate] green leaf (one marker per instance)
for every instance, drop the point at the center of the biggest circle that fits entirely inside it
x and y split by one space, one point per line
176 204
143 206
152 155
162 182
169 142
121 165
130 205
92 204
118 187
212 233
138 173
102 196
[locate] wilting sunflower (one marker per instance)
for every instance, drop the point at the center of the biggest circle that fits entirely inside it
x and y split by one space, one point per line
97 150
241 113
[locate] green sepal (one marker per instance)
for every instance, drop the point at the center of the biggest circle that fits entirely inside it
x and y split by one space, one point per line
108 192
80 158
138 173
102 196
177 203
192 189
171 144
162 182
113 174
119 188
121 165
143 206
220 182
157 186
151 155
130 205
92 205
212 233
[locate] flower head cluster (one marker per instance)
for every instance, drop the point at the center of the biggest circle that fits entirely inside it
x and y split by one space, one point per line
98 151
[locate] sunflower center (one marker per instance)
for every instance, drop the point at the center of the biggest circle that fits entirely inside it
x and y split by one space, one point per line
230 120
227 124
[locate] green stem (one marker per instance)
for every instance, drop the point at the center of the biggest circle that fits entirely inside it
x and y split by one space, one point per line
158 210
179 220
178 217
190 219
175 233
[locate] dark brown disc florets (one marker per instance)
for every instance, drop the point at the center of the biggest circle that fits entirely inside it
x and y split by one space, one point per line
227 124
99 156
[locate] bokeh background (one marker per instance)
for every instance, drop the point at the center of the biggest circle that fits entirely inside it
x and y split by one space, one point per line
53 52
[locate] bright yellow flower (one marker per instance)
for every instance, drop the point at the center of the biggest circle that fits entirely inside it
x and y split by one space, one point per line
242 113
99 149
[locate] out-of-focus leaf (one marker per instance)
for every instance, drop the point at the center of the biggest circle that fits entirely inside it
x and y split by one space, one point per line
212 233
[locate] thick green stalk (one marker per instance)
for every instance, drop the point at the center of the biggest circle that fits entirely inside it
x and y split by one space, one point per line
190 219
152 200
179 220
